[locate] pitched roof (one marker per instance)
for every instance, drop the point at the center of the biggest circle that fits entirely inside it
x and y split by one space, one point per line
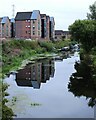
23 16
35 14
4 19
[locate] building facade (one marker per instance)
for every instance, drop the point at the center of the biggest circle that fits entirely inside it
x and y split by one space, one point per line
33 25
52 28
5 27
28 25
61 35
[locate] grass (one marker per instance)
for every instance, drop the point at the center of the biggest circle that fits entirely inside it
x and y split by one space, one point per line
15 51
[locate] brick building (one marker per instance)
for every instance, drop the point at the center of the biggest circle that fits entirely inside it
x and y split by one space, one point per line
33 25
5 27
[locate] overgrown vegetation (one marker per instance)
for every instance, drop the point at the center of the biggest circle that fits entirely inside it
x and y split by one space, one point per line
14 51
7 112
84 32
12 55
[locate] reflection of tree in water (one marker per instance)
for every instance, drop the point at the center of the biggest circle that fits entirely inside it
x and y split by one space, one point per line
83 81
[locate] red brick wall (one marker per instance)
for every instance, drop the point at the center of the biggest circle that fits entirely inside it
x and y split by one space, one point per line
23 29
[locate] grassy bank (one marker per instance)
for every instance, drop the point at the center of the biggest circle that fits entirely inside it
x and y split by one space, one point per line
15 51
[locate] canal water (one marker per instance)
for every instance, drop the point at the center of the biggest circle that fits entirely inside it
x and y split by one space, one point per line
40 90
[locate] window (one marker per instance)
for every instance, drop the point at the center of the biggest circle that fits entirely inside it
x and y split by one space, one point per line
28 20
28 26
33 21
33 27
29 32
26 32
33 32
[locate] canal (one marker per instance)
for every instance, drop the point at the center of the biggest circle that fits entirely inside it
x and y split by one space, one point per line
40 90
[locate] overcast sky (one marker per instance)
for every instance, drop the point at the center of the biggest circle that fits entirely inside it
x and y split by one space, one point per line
65 12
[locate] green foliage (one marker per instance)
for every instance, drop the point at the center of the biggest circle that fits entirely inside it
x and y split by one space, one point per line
60 44
84 83
47 45
84 31
40 50
14 51
92 14
7 112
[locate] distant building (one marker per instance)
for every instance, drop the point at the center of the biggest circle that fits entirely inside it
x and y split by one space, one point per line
5 27
33 25
28 25
60 35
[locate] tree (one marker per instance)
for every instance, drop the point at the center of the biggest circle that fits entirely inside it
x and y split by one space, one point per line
84 31
92 14
83 83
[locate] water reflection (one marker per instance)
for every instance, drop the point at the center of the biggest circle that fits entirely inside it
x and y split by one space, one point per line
83 81
35 74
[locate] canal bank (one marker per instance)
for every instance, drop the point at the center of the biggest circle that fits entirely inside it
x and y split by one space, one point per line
16 51
51 99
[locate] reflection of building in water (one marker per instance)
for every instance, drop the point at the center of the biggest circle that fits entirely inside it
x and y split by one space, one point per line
36 74
23 77
47 70
52 68
32 75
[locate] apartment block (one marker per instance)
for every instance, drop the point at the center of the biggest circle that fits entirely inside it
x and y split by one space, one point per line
5 27
23 25
28 25
33 25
